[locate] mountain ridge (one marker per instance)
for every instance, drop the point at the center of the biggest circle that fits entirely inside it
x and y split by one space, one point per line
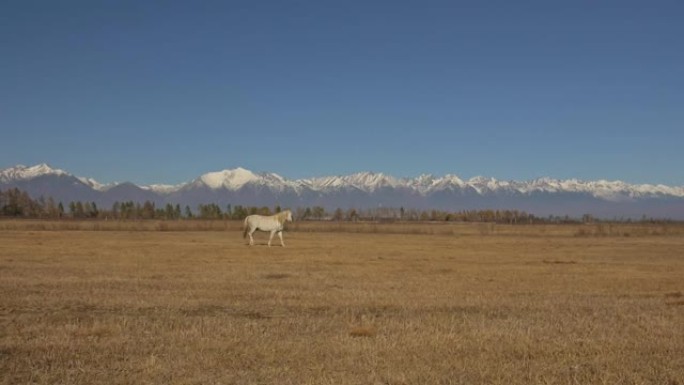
363 189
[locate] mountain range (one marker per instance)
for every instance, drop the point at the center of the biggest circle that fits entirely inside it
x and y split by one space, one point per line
542 197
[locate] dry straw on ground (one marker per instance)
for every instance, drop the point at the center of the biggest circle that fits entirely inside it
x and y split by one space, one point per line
427 306
599 229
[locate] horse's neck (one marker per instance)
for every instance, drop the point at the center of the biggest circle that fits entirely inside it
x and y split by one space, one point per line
281 216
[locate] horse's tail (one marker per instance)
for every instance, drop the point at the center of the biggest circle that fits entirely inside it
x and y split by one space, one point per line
246 229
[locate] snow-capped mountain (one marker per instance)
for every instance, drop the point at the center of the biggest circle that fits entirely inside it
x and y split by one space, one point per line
95 184
364 181
541 196
238 178
163 188
21 172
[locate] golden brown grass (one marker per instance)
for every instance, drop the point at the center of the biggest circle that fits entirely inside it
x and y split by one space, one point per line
617 229
189 307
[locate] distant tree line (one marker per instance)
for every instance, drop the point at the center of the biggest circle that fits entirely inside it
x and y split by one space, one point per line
18 204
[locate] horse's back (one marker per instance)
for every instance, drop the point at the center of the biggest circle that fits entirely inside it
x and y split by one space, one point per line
261 222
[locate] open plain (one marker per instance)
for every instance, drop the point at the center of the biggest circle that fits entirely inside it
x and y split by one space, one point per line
427 304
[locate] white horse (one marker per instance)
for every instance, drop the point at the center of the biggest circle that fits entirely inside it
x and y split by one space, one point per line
273 223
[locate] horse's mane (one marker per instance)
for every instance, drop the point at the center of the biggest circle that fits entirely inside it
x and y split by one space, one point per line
282 216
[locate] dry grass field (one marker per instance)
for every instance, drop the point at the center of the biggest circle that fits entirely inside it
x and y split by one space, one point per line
429 304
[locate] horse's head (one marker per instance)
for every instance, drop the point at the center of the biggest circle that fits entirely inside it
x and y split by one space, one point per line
289 216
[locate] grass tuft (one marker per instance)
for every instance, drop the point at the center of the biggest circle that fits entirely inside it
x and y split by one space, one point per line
363 331
276 276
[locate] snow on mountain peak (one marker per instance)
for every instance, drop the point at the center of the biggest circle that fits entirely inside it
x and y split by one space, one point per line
453 180
322 183
21 172
230 179
371 180
483 184
95 184
163 188
43 168
424 180
237 178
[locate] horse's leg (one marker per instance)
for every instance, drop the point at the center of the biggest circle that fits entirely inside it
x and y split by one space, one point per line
280 234
271 238
251 239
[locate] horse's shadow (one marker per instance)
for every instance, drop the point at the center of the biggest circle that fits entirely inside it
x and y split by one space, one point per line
263 245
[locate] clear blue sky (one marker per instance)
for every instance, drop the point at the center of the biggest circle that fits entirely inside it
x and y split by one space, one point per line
161 92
